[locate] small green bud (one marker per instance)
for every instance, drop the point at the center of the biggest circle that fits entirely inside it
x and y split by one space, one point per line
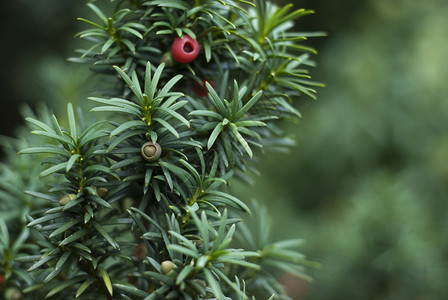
151 151
167 58
66 199
167 266
127 203
13 293
102 191
197 242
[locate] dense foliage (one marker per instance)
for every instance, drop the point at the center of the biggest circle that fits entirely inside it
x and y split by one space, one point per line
138 205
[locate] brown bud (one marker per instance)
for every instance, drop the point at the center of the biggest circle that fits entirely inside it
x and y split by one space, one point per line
201 283
151 151
199 286
294 287
66 199
140 251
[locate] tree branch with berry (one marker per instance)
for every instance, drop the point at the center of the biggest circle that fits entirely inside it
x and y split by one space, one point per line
140 206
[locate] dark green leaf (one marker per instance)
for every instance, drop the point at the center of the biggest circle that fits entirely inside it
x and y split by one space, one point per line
103 232
214 135
74 237
84 286
42 261
71 120
71 162
106 279
63 285
65 227
54 169
128 125
184 274
130 289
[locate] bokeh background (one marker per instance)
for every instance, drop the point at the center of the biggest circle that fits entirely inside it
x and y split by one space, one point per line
366 185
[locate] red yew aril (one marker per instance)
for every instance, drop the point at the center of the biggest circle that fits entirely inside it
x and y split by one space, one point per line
185 49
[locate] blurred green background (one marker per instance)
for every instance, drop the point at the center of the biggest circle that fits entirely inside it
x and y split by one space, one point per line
366 185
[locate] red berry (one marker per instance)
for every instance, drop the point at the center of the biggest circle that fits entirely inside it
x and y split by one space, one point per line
185 50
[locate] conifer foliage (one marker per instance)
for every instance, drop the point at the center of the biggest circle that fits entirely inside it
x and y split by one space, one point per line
139 205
